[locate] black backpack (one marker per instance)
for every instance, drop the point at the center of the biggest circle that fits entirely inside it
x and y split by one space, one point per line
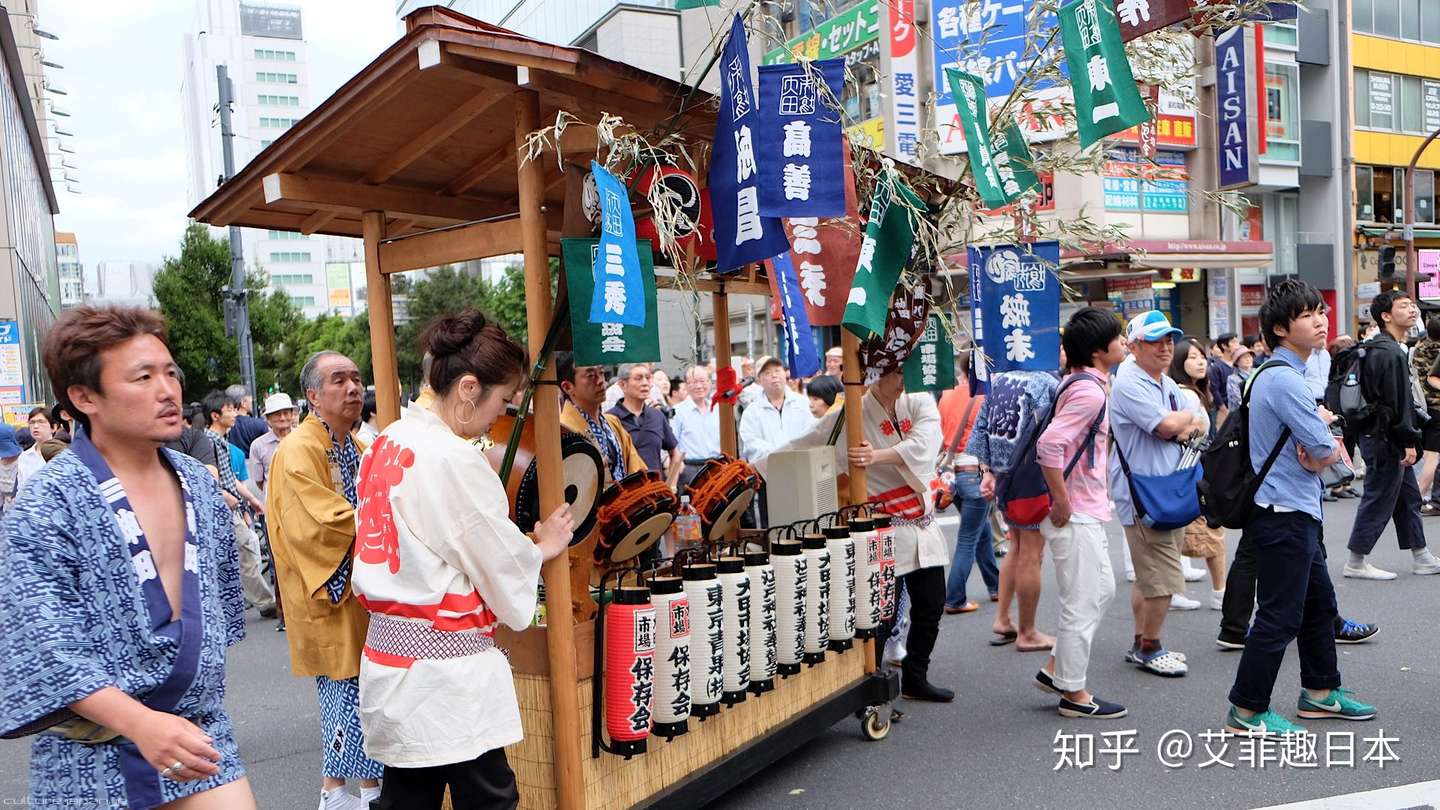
1344 394
1227 490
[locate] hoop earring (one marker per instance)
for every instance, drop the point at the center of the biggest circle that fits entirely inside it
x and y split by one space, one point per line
466 420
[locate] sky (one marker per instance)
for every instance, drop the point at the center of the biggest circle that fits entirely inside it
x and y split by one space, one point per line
122 70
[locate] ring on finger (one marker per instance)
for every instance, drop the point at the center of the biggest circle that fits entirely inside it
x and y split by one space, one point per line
174 770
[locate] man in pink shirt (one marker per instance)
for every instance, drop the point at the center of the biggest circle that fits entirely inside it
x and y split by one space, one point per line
1072 455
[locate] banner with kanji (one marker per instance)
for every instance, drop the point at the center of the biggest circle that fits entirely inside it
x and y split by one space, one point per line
889 237
1107 99
1014 164
801 355
742 236
969 92
599 344
931 364
823 251
1019 296
799 139
1140 17
619 292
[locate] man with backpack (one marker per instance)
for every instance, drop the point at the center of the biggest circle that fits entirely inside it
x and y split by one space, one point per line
1149 422
1392 423
1296 597
1073 463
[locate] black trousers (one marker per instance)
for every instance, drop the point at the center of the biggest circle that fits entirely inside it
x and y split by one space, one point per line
1240 592
483 783
927 604
1391 493
1297 603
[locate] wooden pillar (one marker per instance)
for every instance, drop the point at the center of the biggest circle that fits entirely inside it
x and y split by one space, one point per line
382 323
560 635
851 376
721 316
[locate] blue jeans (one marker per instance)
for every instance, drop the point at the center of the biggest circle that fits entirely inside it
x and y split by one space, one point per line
974 542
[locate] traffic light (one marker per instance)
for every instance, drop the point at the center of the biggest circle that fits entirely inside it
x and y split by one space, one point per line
1387 263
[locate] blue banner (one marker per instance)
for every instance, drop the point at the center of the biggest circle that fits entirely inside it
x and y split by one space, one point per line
1234 116
800 353
979 369
1019 298
619 295
742 236
802 173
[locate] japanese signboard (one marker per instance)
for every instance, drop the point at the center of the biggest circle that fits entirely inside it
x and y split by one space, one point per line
619 294
801 356
1139 17
1431 105
931 364
840 34
1019 299
799 140
1429 262
742 236
1107 100
1174 122
904 67
1130 296
1234 110
1134 184
598 344
12 366
1005 170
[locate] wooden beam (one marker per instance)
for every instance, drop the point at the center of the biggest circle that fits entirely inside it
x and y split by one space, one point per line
577 96
711 284
479 241
382 323
343 195
399 226
316 221
720 313
486 100
519 52
560 637
482 169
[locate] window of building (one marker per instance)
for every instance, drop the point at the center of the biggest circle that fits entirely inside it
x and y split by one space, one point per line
1379 191
1387 18
1425 196
1416 20
278 101
269 55
303 301
1282 34
1375 99
284 235
290 257
266 77
276 123
291 279
266 143
1364 194
1282 124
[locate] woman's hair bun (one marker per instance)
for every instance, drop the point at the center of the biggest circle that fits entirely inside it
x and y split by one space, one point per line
449 334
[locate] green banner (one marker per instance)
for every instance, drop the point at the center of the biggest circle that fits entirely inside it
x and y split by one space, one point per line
931 364
1107 99
602 344
844 32
1013 162
889 236
969 92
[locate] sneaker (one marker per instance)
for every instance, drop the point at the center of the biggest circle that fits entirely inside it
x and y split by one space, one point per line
1430 566
894 652
1129 574
1345 492
1045 683
1339 705
1180 601
338 799
1192 574
368 795
1367 571
1329 497
1225 642
1430 510
1264 724
1217 600
1096 708
1356 632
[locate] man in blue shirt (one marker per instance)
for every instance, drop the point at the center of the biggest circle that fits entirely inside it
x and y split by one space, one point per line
1296 597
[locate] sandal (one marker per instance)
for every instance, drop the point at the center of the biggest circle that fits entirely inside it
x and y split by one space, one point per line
1001 639
1164 663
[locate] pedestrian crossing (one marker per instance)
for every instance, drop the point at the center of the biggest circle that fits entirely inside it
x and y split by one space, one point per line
1419 796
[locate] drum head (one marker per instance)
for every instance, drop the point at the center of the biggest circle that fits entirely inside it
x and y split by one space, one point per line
583 471
729 518
646 534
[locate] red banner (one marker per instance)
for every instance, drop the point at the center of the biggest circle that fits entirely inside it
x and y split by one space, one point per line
1140 17
825 251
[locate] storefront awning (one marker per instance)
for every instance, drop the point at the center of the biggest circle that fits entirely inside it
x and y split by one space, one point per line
1398 230
1165 254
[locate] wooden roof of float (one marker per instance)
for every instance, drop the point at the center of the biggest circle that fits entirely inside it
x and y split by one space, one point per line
426 133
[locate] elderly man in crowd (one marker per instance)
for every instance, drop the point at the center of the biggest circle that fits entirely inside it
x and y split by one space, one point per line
696 424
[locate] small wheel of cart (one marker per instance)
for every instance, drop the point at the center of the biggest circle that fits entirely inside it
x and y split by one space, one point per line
875 723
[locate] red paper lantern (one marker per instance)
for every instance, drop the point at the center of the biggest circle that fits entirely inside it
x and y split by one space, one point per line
629 669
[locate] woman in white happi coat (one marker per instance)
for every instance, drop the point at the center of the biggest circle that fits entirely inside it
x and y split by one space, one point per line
902 442
439 566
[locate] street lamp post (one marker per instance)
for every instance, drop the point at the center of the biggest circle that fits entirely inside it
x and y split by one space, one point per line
1411 259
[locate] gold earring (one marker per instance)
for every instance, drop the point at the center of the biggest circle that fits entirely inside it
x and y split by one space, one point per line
466 420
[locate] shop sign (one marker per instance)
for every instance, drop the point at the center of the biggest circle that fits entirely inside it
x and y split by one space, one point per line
904 68
837 36
1234 114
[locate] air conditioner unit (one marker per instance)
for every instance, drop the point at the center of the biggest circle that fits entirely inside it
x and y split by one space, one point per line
800 484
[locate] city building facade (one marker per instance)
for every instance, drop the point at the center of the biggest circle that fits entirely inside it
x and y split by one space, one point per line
263 48
71 273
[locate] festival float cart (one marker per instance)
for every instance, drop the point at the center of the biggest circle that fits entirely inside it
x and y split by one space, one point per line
443 150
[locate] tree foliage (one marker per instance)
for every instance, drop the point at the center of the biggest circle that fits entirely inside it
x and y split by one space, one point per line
188 290
446 290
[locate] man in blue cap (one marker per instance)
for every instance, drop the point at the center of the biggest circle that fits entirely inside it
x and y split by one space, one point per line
9 467
1150 422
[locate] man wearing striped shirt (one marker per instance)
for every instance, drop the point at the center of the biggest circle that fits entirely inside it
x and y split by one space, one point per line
221 412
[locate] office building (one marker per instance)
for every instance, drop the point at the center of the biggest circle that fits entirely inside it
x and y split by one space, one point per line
72 275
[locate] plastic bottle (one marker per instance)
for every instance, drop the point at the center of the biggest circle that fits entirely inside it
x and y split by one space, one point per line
685 531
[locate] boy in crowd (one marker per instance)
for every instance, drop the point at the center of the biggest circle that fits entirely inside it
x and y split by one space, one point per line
1296 597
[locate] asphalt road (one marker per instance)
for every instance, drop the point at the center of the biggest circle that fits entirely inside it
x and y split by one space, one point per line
994 746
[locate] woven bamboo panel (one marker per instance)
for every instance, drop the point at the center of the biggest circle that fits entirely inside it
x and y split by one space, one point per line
613 782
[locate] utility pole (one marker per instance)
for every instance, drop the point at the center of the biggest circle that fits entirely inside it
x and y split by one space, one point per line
237 306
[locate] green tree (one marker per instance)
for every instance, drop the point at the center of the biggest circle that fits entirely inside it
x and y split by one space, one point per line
188 290
349 336
275 324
